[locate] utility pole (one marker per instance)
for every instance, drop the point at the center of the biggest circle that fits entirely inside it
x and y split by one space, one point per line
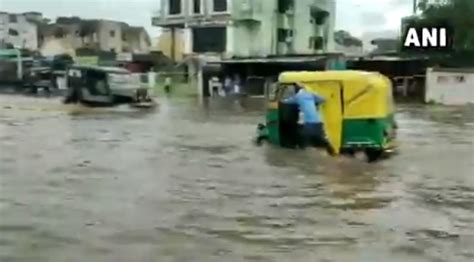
415 6
173 44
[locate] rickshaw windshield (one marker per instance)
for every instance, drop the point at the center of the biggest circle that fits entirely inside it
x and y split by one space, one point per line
271 91
281 91
287 90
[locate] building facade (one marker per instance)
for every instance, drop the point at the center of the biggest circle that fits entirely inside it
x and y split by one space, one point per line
73 33
31 31
171 44
251 28
20 30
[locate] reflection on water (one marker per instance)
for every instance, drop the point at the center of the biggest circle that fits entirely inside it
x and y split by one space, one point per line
185 183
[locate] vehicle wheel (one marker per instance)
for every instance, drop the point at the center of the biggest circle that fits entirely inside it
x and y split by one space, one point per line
350 152
373 154
33 89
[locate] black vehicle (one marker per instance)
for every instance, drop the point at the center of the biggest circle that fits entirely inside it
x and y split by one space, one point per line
45 71
105 86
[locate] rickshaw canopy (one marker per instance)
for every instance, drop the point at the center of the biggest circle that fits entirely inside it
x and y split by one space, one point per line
364 94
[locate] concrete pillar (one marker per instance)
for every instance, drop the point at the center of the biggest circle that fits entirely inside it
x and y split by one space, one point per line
405 86
188 40
200 82
151 80
173 44
230 40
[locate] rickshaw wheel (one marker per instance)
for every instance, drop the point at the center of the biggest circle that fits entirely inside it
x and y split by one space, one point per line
351 152
373 154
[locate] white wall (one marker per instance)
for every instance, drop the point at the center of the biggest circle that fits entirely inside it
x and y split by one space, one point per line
3 28
188 40
304 29
27 32
54 46
446 87
108 42
331 8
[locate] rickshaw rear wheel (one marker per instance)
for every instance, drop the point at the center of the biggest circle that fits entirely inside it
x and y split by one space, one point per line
373 154
351 152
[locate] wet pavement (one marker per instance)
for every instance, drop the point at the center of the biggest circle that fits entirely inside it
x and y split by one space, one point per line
185 183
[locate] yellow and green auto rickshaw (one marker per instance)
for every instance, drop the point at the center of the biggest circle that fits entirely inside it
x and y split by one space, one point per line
358 113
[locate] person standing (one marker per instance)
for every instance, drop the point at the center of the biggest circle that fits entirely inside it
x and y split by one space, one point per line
237 84
215 86
313 127
227 85
168 85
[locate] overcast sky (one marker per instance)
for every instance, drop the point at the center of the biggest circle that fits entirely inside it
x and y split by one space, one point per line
360 17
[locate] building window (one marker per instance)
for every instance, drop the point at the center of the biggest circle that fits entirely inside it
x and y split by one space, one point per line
284 34
13 32
209 39
112 33
197 6
174 7
220 5
316 42
13 18
112 50
285 5
319 16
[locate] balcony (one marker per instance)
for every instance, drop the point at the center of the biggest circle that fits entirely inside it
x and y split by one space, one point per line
247 10
161 19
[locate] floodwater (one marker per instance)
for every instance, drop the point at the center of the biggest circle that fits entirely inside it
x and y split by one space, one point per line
185 183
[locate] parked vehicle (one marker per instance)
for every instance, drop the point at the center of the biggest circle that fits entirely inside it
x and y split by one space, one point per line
27 72
13 66
358 113
105 86
46 70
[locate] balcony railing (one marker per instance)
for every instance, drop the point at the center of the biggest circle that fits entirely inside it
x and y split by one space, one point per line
247 10
160 18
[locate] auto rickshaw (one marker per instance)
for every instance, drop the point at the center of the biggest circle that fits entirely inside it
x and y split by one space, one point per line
358 113
105 86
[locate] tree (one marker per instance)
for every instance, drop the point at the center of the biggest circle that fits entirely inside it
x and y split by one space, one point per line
459 13
346 39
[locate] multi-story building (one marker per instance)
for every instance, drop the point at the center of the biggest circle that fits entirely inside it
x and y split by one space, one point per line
20 30
250 28
135 40
72 33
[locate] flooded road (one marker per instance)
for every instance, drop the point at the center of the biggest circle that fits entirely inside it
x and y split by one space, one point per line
185 183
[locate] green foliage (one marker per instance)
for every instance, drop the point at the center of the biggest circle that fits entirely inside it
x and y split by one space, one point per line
460 13
346 39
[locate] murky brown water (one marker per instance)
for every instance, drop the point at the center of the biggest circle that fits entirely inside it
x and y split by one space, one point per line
185 183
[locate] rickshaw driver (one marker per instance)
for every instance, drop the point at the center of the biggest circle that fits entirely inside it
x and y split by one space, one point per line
313 128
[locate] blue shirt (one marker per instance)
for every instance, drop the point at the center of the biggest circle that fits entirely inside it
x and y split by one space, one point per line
306 102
